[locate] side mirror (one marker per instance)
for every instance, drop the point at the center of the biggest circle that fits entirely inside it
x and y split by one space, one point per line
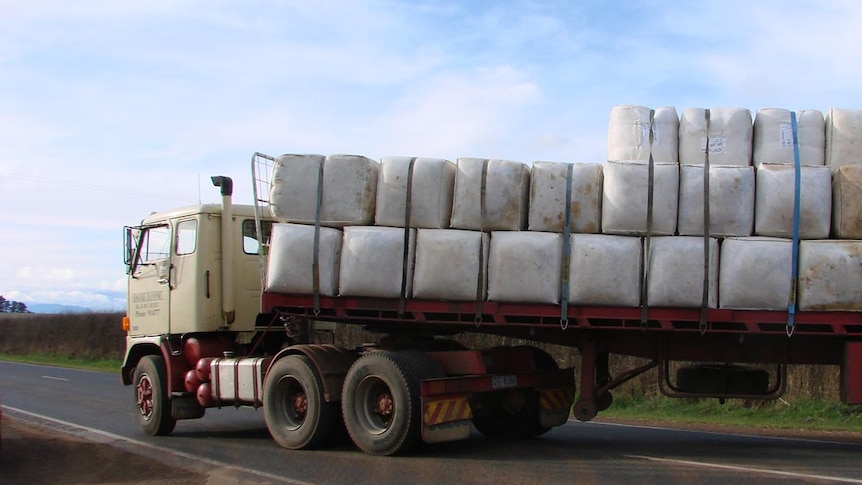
130 246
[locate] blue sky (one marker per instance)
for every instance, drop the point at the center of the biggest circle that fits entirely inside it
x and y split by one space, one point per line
110 110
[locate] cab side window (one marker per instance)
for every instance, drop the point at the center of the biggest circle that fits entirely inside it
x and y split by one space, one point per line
187 237
250 244
156 244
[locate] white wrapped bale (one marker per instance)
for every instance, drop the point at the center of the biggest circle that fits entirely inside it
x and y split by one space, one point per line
449 263
349 189
773 206
605 270
675 272
291 259
626 192
507 187
773 136
754 273
372 261
525 267
731 200
629 134
730 133
830 275
547 211
847 202
430 195
843 135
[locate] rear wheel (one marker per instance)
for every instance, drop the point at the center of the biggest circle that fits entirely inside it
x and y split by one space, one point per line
296 414
154 407
381 403
512 414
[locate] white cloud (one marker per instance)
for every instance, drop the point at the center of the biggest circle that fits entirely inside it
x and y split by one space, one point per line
456 112
52 276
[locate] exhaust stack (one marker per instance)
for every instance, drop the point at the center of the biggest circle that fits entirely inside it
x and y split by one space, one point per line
227 251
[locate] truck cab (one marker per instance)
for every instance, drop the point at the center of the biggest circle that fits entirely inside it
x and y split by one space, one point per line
175 265
181 281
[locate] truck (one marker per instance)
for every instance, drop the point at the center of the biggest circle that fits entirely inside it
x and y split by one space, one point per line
203 332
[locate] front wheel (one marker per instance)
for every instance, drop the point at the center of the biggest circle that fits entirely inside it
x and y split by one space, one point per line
296 414
154 407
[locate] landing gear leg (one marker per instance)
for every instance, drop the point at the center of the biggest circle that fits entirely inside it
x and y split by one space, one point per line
594 376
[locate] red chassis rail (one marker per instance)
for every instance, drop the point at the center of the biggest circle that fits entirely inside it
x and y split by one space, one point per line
452 313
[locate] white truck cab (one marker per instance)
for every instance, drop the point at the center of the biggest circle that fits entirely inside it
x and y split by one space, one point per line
175 267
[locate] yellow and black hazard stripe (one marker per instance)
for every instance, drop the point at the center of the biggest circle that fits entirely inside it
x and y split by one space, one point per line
551 399
446 410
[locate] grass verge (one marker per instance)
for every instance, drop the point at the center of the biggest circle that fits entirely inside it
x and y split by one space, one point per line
803 414
101 365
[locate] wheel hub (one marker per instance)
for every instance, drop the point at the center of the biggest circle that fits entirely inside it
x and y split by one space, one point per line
300 404
145 396
385 404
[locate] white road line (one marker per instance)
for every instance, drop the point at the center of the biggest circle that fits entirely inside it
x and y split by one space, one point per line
55 378
745 469
98 435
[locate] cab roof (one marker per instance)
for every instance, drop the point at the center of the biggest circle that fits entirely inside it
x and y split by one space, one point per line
241 210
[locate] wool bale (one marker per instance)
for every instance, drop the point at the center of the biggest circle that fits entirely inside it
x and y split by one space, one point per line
676 272
547 208
830 275
629 134
604 270
754 273
773 137
843 135
430 195
372 261
847 202
730 133
349 189
525 266
731 200
774 201
626 192
507 187
291 258
449 263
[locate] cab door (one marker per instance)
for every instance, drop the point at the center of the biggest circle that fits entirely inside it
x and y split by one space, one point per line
149 279
196 275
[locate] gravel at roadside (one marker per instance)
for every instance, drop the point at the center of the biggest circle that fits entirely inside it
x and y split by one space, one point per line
32 455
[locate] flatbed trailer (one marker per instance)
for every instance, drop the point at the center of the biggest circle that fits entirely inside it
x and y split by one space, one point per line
662 335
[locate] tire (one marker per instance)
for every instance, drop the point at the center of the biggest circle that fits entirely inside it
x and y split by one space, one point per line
543 360
513 414
381 403
296 414
424 367
507 415
151 399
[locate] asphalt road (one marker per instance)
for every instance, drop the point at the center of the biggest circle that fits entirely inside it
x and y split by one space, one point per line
96 407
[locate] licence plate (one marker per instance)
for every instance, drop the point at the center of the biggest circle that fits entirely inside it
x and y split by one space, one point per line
504 382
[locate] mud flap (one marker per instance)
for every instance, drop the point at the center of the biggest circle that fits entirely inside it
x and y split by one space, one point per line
446 419
186 407
555 406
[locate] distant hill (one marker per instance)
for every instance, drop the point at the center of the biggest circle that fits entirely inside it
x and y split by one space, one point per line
56 308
